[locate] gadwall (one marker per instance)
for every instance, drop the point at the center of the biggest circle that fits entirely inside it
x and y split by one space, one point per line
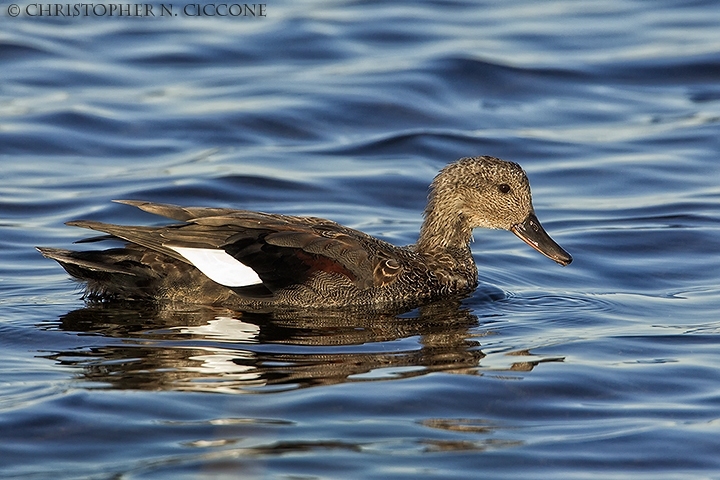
243 259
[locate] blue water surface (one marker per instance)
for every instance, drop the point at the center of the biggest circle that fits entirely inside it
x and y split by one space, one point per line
608 368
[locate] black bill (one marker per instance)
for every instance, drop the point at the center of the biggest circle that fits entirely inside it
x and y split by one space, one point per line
531 232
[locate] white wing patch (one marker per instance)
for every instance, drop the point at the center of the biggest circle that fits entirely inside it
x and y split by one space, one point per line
219 266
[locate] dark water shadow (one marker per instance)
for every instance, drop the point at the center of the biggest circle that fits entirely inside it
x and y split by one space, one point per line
213 349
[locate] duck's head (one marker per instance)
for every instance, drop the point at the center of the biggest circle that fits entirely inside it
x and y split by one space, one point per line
492 193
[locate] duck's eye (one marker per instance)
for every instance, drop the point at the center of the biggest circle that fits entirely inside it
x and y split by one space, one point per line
504 188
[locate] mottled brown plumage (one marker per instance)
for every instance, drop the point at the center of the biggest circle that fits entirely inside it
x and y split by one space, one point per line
308 262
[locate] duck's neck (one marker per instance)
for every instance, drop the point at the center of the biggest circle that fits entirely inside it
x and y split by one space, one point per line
445 229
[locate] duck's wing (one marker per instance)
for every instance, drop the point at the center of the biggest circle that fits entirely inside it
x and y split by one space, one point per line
176 212
237 248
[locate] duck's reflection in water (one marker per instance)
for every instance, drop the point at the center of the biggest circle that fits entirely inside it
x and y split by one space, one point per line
211 349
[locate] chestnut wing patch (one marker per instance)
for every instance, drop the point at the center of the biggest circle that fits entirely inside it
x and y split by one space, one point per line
290 256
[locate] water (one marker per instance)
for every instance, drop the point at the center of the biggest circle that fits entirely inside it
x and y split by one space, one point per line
607 368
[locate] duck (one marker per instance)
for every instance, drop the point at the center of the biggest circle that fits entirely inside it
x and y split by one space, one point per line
251 260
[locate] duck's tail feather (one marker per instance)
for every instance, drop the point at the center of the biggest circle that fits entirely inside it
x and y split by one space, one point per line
110 274
134 273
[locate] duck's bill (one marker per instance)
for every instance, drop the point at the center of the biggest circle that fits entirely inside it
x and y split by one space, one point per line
531 232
